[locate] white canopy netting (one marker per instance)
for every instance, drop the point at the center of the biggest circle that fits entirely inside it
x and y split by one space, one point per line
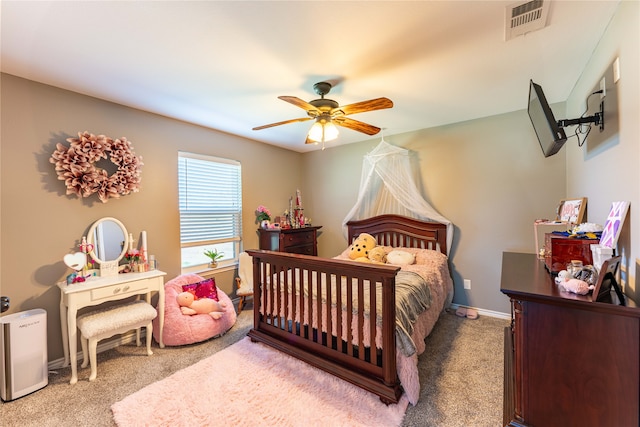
387 187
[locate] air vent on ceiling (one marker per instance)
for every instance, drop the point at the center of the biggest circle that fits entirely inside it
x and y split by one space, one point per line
524 17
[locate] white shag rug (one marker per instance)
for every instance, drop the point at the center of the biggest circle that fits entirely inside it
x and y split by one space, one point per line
252 384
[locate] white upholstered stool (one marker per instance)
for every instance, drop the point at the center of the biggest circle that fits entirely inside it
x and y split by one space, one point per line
100 324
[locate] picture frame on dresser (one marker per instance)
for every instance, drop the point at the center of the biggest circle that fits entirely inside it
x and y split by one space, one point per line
572 210
607 282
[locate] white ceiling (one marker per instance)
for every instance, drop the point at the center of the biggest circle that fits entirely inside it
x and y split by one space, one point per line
222 64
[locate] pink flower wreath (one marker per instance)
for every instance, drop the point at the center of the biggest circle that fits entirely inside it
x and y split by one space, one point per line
75 165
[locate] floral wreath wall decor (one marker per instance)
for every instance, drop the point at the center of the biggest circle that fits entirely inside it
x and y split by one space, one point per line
76 166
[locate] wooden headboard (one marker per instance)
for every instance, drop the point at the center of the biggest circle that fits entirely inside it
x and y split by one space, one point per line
400 231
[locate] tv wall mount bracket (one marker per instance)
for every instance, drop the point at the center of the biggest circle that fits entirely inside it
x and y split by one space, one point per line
597 118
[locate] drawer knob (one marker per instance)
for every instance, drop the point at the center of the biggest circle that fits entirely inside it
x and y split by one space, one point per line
116 290
126 288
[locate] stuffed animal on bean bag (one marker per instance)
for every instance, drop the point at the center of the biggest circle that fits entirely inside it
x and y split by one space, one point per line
359 249
189 305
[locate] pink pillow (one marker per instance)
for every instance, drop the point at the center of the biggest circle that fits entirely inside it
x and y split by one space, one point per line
204 289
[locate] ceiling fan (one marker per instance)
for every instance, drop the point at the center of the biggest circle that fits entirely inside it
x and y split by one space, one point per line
327 113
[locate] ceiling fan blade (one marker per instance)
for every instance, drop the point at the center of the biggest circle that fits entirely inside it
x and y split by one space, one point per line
356 125
302 119
299 103
361 107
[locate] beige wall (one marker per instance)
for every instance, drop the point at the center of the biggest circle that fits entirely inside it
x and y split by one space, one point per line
611 172
40 224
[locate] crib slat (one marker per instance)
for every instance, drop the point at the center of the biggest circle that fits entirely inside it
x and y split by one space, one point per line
360 309
373 317
284 300
349 316
269 292
300 314
327 308
307 319
278 295
318 307
339 312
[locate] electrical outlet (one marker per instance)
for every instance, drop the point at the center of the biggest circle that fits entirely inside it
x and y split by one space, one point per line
603 88
467 284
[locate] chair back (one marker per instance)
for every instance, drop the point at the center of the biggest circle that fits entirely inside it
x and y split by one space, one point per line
245 270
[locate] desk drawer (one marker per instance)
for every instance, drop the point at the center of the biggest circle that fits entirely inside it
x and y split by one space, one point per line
128 288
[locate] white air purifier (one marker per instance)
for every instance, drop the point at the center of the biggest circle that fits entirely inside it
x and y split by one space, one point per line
24 369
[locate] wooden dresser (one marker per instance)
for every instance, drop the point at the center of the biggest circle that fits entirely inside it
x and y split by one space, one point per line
568 361
293 240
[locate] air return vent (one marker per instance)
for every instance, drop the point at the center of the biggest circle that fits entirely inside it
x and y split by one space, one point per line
524 17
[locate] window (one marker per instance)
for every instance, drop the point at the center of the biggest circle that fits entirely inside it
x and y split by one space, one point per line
210 198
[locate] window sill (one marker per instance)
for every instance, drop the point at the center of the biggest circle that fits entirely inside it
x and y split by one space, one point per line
200 270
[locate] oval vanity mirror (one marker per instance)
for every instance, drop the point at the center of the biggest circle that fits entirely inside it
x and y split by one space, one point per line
109 240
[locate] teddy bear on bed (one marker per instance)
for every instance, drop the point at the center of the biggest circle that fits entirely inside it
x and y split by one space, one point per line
190 305
378 255
364 249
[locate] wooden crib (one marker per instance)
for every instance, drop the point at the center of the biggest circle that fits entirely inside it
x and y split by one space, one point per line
339 315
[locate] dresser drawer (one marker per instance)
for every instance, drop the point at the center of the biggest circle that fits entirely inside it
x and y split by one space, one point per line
303 250
297 239
128 288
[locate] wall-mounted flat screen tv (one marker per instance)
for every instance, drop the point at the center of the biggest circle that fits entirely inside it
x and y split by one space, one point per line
550 135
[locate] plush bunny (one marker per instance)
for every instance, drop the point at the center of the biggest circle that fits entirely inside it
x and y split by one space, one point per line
189 305
576 286
567 283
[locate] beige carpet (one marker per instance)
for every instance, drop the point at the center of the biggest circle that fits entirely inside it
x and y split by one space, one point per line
460 372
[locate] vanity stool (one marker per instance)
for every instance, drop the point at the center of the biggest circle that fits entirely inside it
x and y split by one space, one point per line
105 323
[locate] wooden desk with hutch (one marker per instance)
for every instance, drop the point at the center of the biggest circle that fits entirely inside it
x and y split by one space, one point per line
302 240
568 361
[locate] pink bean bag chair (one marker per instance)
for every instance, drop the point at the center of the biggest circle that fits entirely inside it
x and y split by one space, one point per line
182 329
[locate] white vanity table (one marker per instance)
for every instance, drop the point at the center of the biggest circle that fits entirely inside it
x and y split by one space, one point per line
107 242
97 290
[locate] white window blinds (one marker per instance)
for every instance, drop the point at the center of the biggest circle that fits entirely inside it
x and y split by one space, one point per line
210 198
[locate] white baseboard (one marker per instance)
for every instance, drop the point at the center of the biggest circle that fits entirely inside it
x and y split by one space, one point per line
488 313
131 336
103 345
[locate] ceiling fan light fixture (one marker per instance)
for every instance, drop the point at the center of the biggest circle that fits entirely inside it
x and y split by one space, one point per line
322 131
327 114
